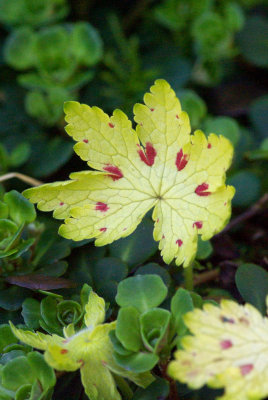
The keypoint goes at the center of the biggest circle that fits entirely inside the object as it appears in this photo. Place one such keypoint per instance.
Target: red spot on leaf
(179, 242)
(111, 125)
(246, 369)
(61, 203)
(149, 155)
(163, 236)
(225, 204)
(226, 319)
(63, 351)
(244, 321)
(101, 207)
(151, 109)
(157, 220)
(198, 224)
(177, 116)
(103, 229)
(124, 229)
(181, 160)
(201, 190)
(226, 344)
(209, 145)
(115, 172)
(82, 362)
(85, 140)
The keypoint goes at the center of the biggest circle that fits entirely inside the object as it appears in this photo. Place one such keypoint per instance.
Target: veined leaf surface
(159, 165)
(229, 348)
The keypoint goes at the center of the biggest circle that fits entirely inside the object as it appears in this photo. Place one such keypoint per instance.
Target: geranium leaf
(159, 165)
(228, 348)
(94, 310)
(89, 350)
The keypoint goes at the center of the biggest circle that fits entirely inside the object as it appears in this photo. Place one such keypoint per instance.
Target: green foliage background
(215, 55)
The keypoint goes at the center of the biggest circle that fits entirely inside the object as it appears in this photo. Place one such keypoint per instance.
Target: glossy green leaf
(136, 248)
(24, 373)
(18, 49)
(107, 272)
(258, 114)
(20, 209)
(7, 228)
(252, 283)
(20, 154)
(31, 313)
(225, 126)
(12, 298)
(3, 210)
(137, 362)
(204, 249)
(128, 328)
(253, 40)
(154, 269)
(158, 390)
(117, 345)
(86, 44)
(69, 312)
(6, 337)
(248, 188)
(49, 321)
(181, 303)
(155, 329)
(194, 106)
(43, 371)
(142, 292)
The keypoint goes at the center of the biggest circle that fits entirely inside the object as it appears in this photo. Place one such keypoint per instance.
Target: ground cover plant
(149, 280)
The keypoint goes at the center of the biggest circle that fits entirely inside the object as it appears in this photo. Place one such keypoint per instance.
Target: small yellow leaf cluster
(89, 350)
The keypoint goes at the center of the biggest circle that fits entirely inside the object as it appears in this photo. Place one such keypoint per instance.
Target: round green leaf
(142, 292)
(6, 337)
(136, 248)
(44, 373)
(258, 113)
(252, 283)
(18, 48)
(3, 210)
(225, 126)
(247, 186)
(253, 40)
(158, 390)
(137, 362)
(154, 269)
(181, 303)
(194, 106)
(20, 209)
(154, 329)
(31, 313)
(204, 249)
(128, 328)
(17, 372)
(86, 44)
(117, 345)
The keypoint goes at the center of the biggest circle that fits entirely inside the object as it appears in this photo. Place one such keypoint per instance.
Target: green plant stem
(124, 387)
(189, 277)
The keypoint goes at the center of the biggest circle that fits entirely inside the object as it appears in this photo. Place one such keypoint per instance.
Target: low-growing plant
(170, 302)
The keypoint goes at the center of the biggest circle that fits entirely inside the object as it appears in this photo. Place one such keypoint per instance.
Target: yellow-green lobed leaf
(159, 165)
(228, 348)
(89, 350)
